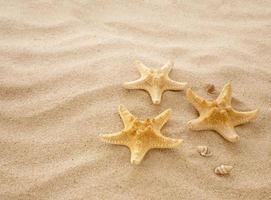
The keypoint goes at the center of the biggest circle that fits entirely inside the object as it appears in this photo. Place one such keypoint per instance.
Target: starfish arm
(138, 155)
(198, 124)
(225, 95)
(198, 102)
(120, 138)
(239, 118)
(160, 141)
(156, 95)
(167, 68)
(137, 84)
(143, 69)
(174, 85)
(228, 132)
(126, 116)
(161, 119)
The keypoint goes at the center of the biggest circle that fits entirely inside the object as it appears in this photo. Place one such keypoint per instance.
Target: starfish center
(156, 78)
(140, 125)
(222, 106)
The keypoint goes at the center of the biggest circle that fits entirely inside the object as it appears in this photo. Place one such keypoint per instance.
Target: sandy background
(62, 64)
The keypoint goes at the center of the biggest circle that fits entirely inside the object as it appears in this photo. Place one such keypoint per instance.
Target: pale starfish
(141, 136)
(218, 114)
(155, 81)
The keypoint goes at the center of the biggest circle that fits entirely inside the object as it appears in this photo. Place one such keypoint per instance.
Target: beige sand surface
(62, 64)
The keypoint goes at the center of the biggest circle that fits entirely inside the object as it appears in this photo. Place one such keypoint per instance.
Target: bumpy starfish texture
(141, 136)
(155, 81)
(218, 114)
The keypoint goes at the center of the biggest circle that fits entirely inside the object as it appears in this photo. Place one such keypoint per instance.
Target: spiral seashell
(204, 151)
(223, 169)
(210, 88)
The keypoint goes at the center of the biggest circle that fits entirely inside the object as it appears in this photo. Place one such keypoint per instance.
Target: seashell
(210, 88)
(204, 151)
(223, 169)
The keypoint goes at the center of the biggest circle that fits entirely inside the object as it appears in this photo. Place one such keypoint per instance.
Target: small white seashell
(223, 169)
(204, 151)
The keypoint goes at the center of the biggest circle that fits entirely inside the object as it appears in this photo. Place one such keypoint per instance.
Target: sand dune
(62, 65)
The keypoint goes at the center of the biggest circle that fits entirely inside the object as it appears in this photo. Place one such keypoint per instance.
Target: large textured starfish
(155, 81)
(218, 114)
(141, 136)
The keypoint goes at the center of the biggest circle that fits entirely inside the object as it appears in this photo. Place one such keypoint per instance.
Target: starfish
(141, 136)
(218, 115)
(155, 81)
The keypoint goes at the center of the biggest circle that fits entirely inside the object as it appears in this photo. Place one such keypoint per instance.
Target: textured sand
(62, 64)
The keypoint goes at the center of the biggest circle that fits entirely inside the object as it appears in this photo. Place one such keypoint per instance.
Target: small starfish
(218, 114)
(155, 81)
(141, 136)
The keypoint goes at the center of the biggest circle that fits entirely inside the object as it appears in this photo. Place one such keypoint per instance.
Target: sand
(62, 65)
